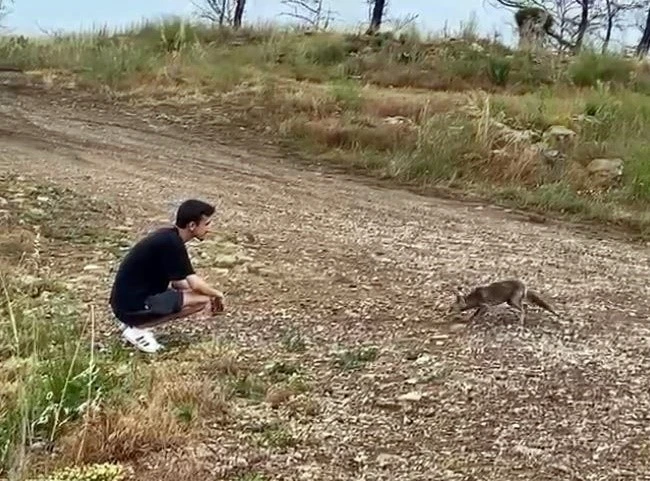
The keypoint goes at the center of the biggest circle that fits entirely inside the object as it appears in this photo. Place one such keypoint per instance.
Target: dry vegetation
(421, 111)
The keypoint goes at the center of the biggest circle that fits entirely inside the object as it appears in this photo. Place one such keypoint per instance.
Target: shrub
(589, 69)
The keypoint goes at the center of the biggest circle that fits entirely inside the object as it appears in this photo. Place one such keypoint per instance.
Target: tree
(533, 24)
(378, 10)
(615, 15)
(4, 8)
(644, 44)
(240, 5)
(573, 21)
(222, 12)
(311, 12)
(571, 18)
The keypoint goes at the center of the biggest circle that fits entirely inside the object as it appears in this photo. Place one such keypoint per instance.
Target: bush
(589, 69)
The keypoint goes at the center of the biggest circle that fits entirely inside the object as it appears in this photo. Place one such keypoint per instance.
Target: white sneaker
(142, 339)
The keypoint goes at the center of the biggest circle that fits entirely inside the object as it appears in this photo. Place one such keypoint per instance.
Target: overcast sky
(29, 16)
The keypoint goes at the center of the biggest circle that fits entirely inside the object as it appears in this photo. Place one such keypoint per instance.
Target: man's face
(201, 230)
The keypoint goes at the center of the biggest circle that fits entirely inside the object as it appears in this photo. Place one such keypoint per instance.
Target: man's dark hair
(192, 210)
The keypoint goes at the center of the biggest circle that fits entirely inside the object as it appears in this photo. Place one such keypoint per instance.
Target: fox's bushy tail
(535, 298)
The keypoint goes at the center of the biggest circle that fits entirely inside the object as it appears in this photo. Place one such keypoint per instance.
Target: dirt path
(347, 263)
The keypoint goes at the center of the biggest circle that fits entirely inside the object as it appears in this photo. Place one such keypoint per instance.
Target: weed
(252, 477)
(280, 371)
(356, 358)
(499, 70)
(293, 341)
(248, 386)
(347, 94)
(274, 435)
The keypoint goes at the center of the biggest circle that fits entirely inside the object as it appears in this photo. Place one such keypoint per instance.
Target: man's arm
(199, 285)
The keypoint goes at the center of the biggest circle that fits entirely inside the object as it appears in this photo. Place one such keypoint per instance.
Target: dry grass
(170, 413)
(58, 388)
(334, 93)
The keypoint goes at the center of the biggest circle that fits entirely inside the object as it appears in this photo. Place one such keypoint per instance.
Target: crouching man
(156, 282)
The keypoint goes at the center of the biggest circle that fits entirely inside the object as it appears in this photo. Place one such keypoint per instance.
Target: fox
(511, 291)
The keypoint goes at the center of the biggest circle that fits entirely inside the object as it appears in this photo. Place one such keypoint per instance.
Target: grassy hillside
(460, 112)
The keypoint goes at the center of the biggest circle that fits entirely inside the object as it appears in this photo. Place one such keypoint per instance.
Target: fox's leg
(479, 312)
(516, 302)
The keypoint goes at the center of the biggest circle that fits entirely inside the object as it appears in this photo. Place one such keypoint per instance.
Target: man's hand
(216, 303)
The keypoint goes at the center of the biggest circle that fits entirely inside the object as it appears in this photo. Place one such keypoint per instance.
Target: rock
(255, 268)
(458, 326)
(513, 136)
(3, 201)
(384, 460)
(412, 396)
(92, 267)
(423, 359)
(558, 137)
(548, 154)
(397, 120)
(605, 172)
(36, 212)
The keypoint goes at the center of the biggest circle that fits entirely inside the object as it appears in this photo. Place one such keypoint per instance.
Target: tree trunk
(644, 44)
(377, 16)
(610, 27)
(239, 13)
(584, 24)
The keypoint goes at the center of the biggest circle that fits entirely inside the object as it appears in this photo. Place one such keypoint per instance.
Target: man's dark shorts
(160, 305)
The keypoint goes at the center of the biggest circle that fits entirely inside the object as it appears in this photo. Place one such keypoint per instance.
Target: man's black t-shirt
(155, 261)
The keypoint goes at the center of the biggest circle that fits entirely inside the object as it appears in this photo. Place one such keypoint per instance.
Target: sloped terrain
(348, 285)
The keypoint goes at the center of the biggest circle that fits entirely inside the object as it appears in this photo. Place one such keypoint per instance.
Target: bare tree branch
(644, 44)
(4, 8)
(215, 11)
(311, 12)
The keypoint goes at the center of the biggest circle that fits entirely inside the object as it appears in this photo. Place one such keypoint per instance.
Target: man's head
(193, 218)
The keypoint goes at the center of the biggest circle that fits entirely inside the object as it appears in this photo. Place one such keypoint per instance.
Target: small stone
(412, 396)
(255, 268)
(423, 359)
(36, 212)
(92, 267)
(384, 460)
